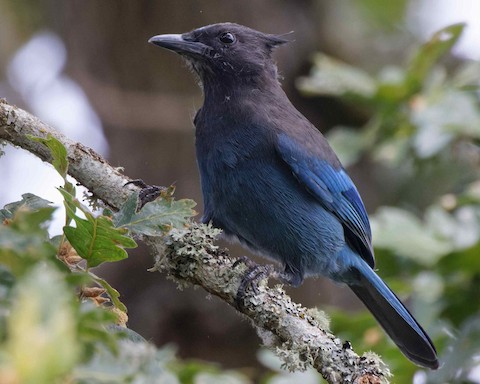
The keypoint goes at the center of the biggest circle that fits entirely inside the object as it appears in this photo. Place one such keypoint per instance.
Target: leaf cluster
(59, 321)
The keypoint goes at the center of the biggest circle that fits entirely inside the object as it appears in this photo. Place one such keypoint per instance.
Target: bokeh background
(84, 66)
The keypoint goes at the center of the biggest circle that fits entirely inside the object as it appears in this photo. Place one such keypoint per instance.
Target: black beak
(179, 44)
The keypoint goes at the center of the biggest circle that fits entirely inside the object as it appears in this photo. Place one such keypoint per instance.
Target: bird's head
(225, 51)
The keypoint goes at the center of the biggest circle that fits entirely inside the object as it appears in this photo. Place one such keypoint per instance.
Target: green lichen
(295, 357)
(319, 318)
(374, 360)
(184, 250)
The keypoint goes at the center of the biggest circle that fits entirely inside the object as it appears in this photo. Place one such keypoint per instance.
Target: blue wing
(334, 190)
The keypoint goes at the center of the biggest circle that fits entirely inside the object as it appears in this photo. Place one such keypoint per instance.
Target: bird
(270, 179)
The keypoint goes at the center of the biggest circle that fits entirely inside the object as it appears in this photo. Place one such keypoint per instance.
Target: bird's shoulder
(295, 131)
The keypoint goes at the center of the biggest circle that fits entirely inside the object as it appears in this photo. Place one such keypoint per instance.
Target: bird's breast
(231, 166)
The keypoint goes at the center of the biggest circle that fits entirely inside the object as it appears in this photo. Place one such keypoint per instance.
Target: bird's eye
(227, 38)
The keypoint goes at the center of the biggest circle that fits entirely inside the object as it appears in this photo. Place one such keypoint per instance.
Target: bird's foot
(255, 273)
(147, 193)
(246, 261)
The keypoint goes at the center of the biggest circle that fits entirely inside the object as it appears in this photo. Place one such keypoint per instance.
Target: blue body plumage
(270, 179)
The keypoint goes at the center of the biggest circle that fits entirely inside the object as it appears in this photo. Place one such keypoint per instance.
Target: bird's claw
(249, 263)
(252, 277)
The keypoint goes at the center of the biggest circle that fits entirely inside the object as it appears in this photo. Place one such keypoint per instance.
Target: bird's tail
(392, 315)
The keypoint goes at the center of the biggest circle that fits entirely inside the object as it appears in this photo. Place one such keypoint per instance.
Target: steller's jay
(270, 179)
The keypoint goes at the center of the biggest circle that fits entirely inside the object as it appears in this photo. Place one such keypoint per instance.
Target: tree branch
(85, 165)
(299, 335)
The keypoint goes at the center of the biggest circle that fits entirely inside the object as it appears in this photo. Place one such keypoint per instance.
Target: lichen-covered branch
(299, 335)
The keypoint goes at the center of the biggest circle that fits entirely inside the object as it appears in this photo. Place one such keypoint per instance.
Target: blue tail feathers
(393, 316)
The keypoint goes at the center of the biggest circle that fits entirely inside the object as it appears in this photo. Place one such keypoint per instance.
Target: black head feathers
(276, 40)
(227, 49)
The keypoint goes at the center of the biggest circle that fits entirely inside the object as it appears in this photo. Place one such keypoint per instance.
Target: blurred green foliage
(59, 322)
(421, 138)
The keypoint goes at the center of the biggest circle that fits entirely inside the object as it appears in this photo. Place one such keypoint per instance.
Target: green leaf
(58, 152)
(429, 53)
(156, 217)
(460, 227)
(347, 143)
(59, 162)
(29, 221)
(95, 238)
(93, 328)
(98, 241)
(442, 117)
(29, 201)
(127, 211)
(70, 203)
(136, 361)
(42, 325)
(24, 241)
(335, 78)
(403, 233)
(112, 293)
(392, 86)
(382, 14)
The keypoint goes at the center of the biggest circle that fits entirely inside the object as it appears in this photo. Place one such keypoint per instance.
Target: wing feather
(334, 190)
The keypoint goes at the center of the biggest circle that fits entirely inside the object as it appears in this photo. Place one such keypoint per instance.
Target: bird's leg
(255, 273)
(148, 193)
(250, 280)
